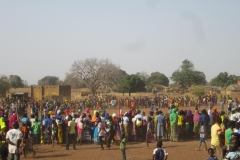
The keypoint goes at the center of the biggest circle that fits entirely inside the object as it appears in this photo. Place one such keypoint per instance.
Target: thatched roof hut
(233, 88)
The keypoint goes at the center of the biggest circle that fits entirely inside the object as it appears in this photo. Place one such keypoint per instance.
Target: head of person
(159, 144)
(233, 147)
(218, 120)
(149, 119)
(231, 124)
(110, 118)
(15, 125)
(70, 117)
(48, 116)
(210, 152)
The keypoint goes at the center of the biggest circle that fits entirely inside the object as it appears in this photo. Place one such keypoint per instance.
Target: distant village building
(51, 92)
(233, 88)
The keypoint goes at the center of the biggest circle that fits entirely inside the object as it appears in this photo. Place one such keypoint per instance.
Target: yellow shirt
(215, 131)
(180, 120)
(72, 125)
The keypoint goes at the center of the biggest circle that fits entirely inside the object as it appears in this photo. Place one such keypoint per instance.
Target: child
(202, 136)
(211, 155)
(159, 153)
(149, 136)
(36, 128)
(123, 146)
(80, 131)
(54, 131)
(234, 153)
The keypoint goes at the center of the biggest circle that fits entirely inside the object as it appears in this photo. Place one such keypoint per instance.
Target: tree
(4, 85)
(143, 76)
(75, 82)
(49, 80)
(15, 81)
(186, 75)
(131, 83)
(94, 73)
(223, 79)
(157, 78)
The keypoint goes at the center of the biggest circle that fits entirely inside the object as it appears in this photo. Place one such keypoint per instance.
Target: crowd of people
(52, 122)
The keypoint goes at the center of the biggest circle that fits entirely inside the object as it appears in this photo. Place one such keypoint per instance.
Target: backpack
(159, 154)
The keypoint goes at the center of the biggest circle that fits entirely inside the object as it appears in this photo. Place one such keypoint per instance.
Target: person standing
(71, 133)
(216, 142)
(125, 121)
(123, 146)
(174, 126)
(160, 125)
(13, 138)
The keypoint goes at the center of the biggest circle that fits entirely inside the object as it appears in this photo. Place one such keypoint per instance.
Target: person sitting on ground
(159, 153)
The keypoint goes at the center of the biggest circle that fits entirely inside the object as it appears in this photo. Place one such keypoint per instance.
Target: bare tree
(94, 73)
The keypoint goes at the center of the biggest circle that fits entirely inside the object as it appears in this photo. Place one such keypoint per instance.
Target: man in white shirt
(125, 122)
(138, 115)
(13, 138)
(233, 116)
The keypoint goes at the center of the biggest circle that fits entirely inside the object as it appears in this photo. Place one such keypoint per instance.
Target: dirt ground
(135, 151)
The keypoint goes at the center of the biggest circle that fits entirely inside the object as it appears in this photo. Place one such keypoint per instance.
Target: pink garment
(12, 120)
(196, 116)
(87, 111)
(80, 127)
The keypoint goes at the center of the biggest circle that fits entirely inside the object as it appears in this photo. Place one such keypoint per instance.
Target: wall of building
(37, 92)
(51, 90)
(65, 91)
(14, 90)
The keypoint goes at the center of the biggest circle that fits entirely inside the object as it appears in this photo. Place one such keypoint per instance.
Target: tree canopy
(223, 79)
(186, 75)
(130, 84)
(15, 81)
(49, 80)
(4, 85)
(157, 78)
(94, 73)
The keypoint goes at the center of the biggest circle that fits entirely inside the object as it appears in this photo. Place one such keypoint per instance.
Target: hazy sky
(40, 38)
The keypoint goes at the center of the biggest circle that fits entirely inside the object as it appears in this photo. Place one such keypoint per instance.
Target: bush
(199, 91)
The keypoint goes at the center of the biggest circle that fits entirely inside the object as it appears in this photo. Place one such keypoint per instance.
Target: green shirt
(228, 134)
(123, 143)
(36, 128)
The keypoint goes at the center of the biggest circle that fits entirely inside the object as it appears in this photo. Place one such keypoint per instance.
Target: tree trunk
(93, 90)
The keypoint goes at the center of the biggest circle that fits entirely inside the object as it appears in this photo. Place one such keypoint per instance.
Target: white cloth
(13, 135)
(138, 116)
(165, 153)
(211, 117)
(202, 131)
(101, 131)
(125, 120)
(233, 117)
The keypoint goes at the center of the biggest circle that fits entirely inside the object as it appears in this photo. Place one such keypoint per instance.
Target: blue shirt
(24, 119)
(203, 118)
(47, 122)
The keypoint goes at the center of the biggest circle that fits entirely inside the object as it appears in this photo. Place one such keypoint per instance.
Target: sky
(44, 38)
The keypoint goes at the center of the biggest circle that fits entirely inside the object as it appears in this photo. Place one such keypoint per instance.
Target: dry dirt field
(134, 151)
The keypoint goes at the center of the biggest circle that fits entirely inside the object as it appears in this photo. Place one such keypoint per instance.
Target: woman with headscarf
(196, 122)
(189, 123)
(174, 126)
